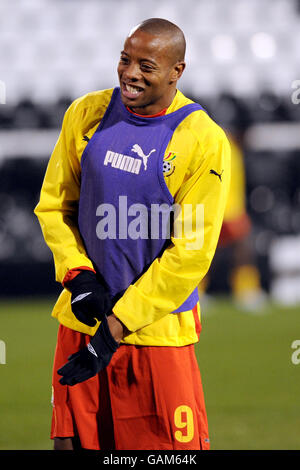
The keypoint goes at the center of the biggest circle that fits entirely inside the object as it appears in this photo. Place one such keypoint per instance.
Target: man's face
(147, 73)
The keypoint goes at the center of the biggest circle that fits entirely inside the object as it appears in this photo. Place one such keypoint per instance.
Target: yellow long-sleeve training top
(198, 145)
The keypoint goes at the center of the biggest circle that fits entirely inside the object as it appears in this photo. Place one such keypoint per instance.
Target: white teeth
(132, 89)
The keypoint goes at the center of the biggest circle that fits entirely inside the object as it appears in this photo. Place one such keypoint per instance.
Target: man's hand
(118, 329)
(87, 362)
(90, 298)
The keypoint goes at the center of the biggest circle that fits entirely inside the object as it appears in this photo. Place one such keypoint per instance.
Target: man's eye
(146, 67)
(124, 60)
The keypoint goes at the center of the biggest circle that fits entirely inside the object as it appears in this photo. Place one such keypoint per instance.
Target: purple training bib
(124, 207)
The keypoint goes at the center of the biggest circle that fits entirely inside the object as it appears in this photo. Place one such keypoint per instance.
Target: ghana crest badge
(168, 165)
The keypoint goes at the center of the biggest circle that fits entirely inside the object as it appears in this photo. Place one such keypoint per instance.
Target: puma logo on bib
(127, 163)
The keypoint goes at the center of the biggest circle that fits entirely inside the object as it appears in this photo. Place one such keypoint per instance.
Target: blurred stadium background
(243, 63)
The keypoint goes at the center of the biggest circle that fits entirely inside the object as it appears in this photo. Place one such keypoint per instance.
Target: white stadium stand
(239, 45)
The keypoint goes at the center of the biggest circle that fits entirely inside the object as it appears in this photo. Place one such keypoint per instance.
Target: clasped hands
(90, 301)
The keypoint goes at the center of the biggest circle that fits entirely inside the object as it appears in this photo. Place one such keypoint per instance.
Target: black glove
(87, 362)
(90, 298)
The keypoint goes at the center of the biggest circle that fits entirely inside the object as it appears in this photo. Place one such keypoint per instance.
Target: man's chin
(132, 102)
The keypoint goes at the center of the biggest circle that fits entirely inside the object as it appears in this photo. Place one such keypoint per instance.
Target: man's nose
(132, 71)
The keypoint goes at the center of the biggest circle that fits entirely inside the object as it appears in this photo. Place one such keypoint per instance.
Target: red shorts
(149, 397)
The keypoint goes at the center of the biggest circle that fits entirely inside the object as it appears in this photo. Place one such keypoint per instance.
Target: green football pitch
(251, 385)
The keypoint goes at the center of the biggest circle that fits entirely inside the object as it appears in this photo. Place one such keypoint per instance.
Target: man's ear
(177, 71)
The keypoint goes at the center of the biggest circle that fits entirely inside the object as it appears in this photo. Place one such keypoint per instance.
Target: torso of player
(182, 158)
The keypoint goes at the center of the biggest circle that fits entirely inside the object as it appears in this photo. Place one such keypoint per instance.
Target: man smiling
(125, 374)
(151, 63)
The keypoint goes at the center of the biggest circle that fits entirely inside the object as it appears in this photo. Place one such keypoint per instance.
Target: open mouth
(131, 91)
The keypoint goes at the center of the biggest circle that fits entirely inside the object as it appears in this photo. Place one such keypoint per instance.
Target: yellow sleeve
(171, 278)
(58, 205)
(57, 209)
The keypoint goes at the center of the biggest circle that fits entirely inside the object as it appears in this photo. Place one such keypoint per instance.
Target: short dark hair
(160, 26)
